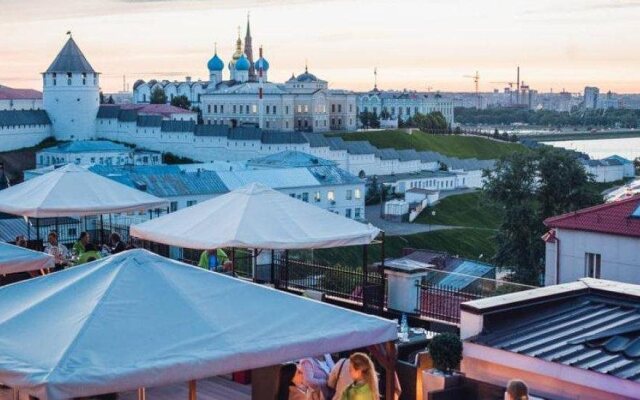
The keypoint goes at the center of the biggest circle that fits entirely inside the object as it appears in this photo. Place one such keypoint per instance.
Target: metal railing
(345, 283)
(442, 302)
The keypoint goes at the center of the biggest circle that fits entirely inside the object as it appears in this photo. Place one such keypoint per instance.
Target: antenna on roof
(306, 65)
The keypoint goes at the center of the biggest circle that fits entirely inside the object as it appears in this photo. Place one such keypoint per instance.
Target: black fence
(346, 283)
(443, 302)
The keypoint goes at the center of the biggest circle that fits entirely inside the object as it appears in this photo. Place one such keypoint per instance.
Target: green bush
(446, 352)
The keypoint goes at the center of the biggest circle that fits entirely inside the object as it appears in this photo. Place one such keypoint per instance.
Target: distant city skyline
(414, 44)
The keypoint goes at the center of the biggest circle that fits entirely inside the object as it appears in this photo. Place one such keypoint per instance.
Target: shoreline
(559, 137)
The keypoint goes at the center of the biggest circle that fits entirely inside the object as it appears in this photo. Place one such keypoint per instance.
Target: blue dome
(243, 64)
(215, 64)
(262, 64)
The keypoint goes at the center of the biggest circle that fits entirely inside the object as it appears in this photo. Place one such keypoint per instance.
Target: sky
(414, 44)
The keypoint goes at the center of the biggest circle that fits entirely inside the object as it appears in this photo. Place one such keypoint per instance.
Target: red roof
(7, 93)
(156, 109)
(612, 218)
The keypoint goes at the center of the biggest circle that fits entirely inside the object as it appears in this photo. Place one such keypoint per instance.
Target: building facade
(246, 96)
(598, 242)
(400, 106)
(94, 152)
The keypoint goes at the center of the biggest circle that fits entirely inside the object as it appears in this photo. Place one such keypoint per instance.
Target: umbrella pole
(365, 275)
(233, 261)
(101, 229)
(254, 266)
(192, 390)
(273, 272)
(28, 230)
(38, 229)
(142, 394)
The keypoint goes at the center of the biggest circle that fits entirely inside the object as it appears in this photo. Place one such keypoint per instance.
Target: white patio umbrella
(18, 259)
(255, 217)
(137, 319)
(73, 191)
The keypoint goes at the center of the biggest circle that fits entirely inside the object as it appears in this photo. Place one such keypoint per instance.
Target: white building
(304, 177)
(605, 170)
(596, 242)
(20, 99)
(246, 96)
(92, 152)
(71, 94)
(404, 105)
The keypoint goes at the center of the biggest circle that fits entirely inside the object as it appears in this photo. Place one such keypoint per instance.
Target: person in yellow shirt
(213, 260)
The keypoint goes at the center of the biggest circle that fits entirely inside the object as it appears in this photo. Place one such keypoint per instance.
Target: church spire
(248, 49)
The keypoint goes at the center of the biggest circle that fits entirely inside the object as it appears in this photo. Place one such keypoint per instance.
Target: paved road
(392, 228)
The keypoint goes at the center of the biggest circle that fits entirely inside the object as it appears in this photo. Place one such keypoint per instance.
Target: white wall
(13, 138)
(620, 256)
(21, 104)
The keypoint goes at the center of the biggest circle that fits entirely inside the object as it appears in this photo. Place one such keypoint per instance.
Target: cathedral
(246, 96)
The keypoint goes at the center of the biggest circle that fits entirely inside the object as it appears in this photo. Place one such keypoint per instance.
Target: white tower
(71, 94)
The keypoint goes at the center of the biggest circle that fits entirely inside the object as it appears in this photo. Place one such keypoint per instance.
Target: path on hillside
(393, 228)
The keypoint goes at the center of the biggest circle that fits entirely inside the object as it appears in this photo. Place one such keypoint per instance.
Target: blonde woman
(365, 379)
(516, 390)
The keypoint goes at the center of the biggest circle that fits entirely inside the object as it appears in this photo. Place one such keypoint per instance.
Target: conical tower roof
(70, 59)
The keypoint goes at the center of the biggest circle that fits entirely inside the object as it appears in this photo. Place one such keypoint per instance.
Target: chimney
(188, 78)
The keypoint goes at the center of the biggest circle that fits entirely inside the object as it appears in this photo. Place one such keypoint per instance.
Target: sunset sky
(415, 44)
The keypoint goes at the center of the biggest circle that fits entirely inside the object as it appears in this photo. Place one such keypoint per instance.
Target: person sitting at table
(315, 373)
(57, 250)
(21, 241)
(340, 378)
(292, 386)
(214, 260)
(80, 245)
(365, 379)
(90, 253)
(116, 245)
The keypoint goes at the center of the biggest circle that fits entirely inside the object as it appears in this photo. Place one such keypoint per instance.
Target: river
(600, 148)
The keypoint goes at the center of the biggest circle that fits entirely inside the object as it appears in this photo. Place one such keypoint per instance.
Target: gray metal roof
(289, 159)
(597, 332)
(332, 175)
(359, 147)
(408, 155)
(149, 121)
(24, 117)
(336, 143)
(245, 133)
(108, 111)
(88, 146)
(388, 154)
(316, 139)
(70, 59)
(212, 130)
(283, 138)
(164, 180)
(178, 126)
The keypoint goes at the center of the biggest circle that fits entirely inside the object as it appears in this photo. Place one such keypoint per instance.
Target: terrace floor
(215, 388)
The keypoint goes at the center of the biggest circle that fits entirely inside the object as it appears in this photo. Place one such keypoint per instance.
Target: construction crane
(506, 83)
(476, 81)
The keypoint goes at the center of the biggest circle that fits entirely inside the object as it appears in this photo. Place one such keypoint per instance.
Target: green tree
(512, 185)
(531, 187)
(158, 96)
(563, 183)
(111, 100)
(181, 101)
(433, 122)
(198, 111)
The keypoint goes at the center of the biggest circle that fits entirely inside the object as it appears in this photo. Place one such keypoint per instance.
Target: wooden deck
(215, 388)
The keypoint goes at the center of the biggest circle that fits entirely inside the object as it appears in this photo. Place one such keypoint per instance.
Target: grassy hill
(465, 242)
(449, 145)
(469, 210)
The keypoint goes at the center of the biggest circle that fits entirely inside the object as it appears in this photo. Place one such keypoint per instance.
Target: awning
(18, 259)
(256, 217)
(137, 319)
(73, 191)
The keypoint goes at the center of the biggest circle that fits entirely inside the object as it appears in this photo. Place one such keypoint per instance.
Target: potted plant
(446, 353)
